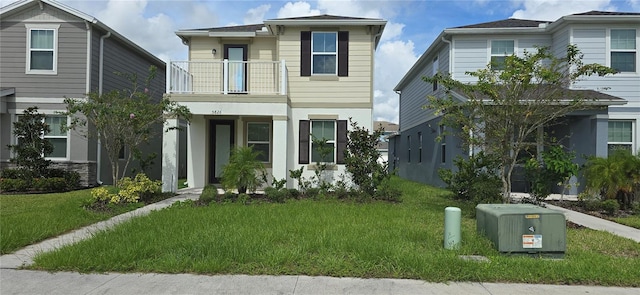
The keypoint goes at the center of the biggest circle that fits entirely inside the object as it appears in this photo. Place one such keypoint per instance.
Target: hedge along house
(607, 38)
(273, 86)
(51, 51)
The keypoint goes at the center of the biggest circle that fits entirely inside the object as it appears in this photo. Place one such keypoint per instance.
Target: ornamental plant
(141, 188)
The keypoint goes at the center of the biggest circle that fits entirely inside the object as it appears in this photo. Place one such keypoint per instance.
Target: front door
(237, 56)
(221, 143)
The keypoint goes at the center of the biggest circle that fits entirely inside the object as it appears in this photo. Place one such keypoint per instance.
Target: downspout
(100, 71)
(450, 55)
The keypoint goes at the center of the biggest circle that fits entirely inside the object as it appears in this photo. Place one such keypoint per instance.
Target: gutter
(100, 80)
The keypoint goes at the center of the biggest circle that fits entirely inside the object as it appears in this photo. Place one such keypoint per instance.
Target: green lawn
(333, 238)
(26, 219)
(632, 221)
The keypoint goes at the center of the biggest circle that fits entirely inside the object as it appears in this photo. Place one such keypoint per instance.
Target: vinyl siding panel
(560, 42)
(356, 88)
(414, 96)
(591, 42)
(71, 59)
(470, 54)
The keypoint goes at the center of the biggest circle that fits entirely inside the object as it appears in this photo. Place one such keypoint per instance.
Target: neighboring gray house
(608, 38)
(51, 51)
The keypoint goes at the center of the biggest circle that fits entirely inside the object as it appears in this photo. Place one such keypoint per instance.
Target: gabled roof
(276, 26)
(25, 4)
(595, 12)
(506, 23)
(516, 26)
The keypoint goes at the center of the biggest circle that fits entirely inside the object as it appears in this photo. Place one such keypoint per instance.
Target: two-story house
(274, 86)
(607, 38)
(50, 51)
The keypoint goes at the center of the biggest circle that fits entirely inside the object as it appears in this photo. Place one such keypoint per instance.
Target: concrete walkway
(13, 280)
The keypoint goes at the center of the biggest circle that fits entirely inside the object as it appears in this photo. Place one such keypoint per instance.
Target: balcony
(228, 77)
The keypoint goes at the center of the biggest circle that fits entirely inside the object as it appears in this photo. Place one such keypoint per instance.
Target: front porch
(210, 140)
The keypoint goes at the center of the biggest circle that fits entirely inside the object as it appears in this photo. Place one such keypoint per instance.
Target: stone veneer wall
(87, 170)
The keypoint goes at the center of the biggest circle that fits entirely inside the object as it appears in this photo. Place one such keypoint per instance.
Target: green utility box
(523, 228)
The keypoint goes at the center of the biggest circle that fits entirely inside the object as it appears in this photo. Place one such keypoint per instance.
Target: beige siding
(356, 88)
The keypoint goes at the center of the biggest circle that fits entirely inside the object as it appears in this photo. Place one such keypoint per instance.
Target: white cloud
(256, 15)
(296, 9)
(393, 59)
(551, 10)
(392, 31)
(635, 4)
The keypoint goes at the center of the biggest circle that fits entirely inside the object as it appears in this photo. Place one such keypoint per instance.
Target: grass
(27, 219)
(632, 220)
(181, 183)
(333, 238)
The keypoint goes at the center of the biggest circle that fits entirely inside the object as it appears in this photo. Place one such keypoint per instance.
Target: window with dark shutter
(305, 53)
(341, 144)
(343, 53)
(303, 142)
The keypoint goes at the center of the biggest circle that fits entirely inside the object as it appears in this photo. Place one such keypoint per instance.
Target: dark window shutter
(343, 53)
(303, 142)
(305, 53)
(341, 145)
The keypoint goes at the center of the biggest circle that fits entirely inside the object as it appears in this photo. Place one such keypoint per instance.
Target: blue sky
(412, 25)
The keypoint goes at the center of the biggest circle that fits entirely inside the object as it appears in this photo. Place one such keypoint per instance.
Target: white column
(170, 157)
(279, 153)
(197, 163)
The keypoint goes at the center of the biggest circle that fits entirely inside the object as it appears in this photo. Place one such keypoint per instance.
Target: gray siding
(560, 42)
(469, 55)
(592, 44)
(119, 58)
(71, 71)
(414, 95)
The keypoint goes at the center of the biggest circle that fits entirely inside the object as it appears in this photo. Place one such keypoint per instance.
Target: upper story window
(434, 71)
(42, 43)
(324, 53)
(623, 50)
(258, 137)
(500, 49)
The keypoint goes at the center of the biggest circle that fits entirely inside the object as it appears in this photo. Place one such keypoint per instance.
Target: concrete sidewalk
(16, 281)
(37, 282)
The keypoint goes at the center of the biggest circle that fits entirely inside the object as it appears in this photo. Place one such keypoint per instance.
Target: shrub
(13, 185)
(275, 195)
(610, 206)
(51, 184)
(476, 179)
(386, 192)
(243, 170)
(361, 159)
(615, 177)
(141, 188)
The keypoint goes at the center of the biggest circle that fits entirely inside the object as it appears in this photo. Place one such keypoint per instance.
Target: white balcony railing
(228, 77)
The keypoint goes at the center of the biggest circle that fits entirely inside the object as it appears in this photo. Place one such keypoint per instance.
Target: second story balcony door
(237, 56)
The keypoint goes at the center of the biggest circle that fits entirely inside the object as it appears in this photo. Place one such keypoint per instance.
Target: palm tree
(243, 170)
(615, 177)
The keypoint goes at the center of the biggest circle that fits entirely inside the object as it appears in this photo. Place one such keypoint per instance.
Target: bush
(610, 206)
(276, 195)
(141, 188)
(242, 171)
(615, 177)
(13, 185)
(53, 180)
(476, 179)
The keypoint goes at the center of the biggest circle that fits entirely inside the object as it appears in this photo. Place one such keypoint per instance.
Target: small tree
(361, 158)
(124, 118)
(32, 147)
(243, 170)
(505, 108)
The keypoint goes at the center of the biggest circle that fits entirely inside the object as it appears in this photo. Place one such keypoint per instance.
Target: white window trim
(333, 141)
(489, 54)
(54, 28)
(609, 50)
(249, 142)
(634, 131)
(324, 53)
(14, 140)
